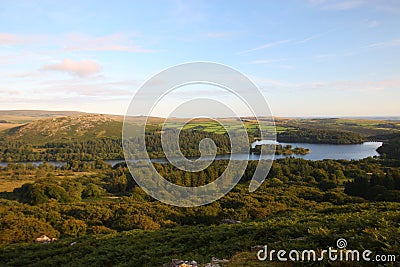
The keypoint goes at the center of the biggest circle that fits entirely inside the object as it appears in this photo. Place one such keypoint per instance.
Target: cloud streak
(388, 43)
(122, 42)
(10, 39)
(265, 46)
(340, 85)
(76, 68)
(113, 42)
(220, 35)
(20, 39)
(337, 5)
(315, 36)
(267, 61)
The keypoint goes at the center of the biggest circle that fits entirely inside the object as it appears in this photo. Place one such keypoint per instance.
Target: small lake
(318, 152)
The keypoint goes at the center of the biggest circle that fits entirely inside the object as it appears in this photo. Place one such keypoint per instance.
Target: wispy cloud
(18, 39)
(371, 23)
(97, 86)
(267, 61)
(340, 85)
(10, 39)
(388, 6)
(363, 86)
(265, 46)
(337, 5)
(220, 35)
(79, 68)
(94, 88)
(387, 43)
(315, 36)
(123, 42)
(114, 42)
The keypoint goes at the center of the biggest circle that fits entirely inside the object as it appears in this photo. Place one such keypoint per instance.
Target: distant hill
(60, 129)
(39, 126)
(24, 116)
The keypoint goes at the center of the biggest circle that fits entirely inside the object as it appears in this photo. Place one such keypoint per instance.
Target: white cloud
(79, 68)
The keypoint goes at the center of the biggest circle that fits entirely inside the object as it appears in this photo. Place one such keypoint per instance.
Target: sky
(308, 57)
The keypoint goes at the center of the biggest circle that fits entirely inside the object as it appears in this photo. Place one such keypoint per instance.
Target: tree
(359, 187)
(73, 228)
(18, 228)
(92, 190)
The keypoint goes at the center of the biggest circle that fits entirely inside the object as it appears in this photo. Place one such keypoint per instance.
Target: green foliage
(391, 149)
(92, 190)
(16, 227)
(318, 136)
(282, 150)
(41, 192)
(73, 228)
(378, 186)
(372, 226)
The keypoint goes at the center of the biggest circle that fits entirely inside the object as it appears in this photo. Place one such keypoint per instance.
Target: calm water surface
(318, 152)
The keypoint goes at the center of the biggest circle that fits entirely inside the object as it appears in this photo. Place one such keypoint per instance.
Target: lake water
(318, 152)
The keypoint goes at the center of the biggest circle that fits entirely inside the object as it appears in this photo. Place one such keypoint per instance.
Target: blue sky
(309, 58)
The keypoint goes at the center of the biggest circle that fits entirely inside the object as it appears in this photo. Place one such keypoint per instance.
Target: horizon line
(242, 116)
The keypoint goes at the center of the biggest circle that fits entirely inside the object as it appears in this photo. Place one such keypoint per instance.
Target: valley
(100, 209)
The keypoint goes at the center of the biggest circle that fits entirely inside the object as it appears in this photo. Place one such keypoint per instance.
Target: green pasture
(215, 127)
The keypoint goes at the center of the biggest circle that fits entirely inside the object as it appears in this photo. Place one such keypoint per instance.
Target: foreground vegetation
(302, 205)
(372, 226)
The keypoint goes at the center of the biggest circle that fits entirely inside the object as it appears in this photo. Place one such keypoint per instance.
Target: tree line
(319, 136)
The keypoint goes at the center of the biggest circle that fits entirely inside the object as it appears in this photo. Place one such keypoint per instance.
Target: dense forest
(104, 148)
(19, 151)
(105, 200)
(111, 148)
(391, 149)
(319, 136)
(282, 149)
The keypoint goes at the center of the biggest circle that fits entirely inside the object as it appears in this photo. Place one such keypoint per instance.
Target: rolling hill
(39, 127)
(61, 129)
(25, 116)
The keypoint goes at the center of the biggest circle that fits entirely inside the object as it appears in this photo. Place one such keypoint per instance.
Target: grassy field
(215, 127)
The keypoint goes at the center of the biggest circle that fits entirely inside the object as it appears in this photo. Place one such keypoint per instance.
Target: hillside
(24, 116)
(41, 127)
(61, 129)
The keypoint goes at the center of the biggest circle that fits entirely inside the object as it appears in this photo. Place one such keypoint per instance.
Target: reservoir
(318, 152)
